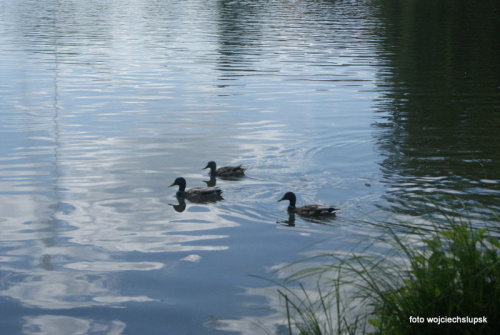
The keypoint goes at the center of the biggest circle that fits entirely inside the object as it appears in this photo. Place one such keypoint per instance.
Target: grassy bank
(444, 281)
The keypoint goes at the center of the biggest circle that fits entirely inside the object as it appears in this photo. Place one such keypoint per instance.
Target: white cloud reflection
(63, 325)
(57, 290)
(103, 203)
(114, 266)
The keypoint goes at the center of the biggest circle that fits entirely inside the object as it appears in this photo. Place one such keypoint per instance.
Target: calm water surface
(376, 108)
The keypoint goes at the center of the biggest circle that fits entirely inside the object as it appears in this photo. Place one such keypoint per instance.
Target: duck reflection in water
(181, 207)
(212, 182)
(290, 222)
(197, 194)
(319, 219)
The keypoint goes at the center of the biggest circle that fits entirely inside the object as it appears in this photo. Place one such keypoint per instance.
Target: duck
(307, 210)
(225, 171)
(197, 193)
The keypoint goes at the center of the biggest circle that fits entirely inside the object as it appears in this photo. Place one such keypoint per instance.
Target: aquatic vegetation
(444, 281)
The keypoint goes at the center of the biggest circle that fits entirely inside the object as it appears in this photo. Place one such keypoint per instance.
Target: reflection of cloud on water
(113, 207)
(113, 266)
(64, 289)
(62, 325)
(116, 196)
(57, 275)
(105, 225)
(56, 290)
(122, 299)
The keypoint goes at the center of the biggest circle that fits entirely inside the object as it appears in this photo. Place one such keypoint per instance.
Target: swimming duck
(308, 210)
(197, 193)
(225, 171)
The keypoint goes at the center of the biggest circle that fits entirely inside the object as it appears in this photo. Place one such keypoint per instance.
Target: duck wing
(199, 192)
(231, 171)
(313, 210)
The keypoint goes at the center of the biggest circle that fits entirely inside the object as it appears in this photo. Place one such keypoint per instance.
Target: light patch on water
(114, 266)
(63, 325)
(192, 258)
(122, 299)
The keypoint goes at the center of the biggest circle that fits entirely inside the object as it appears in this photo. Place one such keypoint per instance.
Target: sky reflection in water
(98, 119)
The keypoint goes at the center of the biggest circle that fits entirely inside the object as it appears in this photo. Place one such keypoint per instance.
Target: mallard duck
(197, 193)
(225, 171)
(307, 210)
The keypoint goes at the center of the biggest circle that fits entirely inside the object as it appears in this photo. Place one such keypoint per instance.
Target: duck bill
(280, 200)
(172, 185)
(206, 167)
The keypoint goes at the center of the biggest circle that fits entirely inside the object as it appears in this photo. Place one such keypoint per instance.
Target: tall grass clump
(443, 281)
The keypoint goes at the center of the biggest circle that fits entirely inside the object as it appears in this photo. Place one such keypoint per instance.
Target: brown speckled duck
(225, 171)
(307, 210)
(197, 193)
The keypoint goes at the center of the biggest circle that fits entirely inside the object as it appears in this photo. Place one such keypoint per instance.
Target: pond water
(380, 108)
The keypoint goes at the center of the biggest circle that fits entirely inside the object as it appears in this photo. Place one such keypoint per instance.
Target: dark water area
(387, 109)
(441, 92)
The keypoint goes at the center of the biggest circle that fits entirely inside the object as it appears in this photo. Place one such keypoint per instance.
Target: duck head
(291, 197)
(211, 165)
(181, 182)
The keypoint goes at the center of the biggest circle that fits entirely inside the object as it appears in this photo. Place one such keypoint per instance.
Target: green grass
(447, 272)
